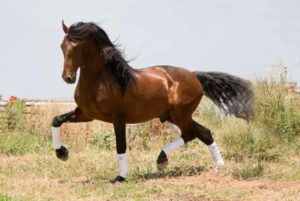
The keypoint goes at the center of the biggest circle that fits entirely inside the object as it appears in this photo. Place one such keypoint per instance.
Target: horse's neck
(91, 81)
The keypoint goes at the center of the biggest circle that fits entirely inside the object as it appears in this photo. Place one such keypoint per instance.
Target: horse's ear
(65, 28)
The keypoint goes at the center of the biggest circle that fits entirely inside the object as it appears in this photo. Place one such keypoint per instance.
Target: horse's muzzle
(69, 78)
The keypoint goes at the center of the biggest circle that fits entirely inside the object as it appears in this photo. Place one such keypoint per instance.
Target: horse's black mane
(114, 58)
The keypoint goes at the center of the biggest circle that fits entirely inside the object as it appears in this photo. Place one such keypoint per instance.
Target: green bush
(104, 140)
(19, 143)
(249, 142)
(275, 126)
(14, 116)
(275, 112)
(15, 137)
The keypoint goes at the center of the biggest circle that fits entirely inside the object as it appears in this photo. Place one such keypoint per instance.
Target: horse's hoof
(62, 153)
(162, 166)
(162, 161)
(118, 179)
(219, 165)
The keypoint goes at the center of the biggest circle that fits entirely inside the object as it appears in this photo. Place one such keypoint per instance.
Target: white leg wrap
(56, 137)
(214, 150)
(173, 145)
(123, 164)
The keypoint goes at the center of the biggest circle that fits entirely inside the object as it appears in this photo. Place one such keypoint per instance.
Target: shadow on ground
(171, 172)
(150, 175)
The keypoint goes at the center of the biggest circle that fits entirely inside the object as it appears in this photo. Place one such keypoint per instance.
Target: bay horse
(110, 90)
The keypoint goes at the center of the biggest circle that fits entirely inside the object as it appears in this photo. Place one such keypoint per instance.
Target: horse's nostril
(68, 79)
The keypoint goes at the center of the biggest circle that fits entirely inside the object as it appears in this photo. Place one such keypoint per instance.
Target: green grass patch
(19, 143)
(4, 197)
(249, 170)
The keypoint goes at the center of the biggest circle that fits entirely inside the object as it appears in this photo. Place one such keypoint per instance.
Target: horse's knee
(57, 122)
(60, 119)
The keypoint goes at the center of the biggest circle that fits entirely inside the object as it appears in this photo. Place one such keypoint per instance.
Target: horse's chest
(95, 103)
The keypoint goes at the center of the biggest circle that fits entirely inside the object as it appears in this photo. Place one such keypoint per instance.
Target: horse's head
(87, 46)
(78, 49)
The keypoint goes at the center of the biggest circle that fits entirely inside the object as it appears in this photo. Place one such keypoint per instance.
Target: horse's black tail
(232, 94)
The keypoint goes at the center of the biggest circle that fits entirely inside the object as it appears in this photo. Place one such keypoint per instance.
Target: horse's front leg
(73, 116)
(120, 132)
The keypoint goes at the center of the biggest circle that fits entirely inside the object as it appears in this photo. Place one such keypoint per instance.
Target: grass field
(262, 157)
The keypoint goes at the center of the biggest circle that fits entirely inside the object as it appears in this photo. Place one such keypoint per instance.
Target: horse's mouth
(68, 81)
(70, 78)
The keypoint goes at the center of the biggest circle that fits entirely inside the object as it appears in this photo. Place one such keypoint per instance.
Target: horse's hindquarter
(186, 88)
(185, 95)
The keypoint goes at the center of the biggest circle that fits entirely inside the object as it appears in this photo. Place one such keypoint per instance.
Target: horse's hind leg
(186, 136)
(189, 131)
(162, 160)
(204, 134)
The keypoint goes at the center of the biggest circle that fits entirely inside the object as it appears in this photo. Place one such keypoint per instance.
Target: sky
(244, 38)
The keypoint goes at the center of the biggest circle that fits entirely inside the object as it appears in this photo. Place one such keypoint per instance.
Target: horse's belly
(145, 111)
(138, 118)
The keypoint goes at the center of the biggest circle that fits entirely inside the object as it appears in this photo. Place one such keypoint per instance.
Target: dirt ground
(210, 185)
(214, 184)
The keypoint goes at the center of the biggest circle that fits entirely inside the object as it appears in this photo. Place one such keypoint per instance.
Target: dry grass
(85, 176)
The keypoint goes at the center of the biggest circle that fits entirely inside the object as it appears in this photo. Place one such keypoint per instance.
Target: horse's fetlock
(57, 122)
